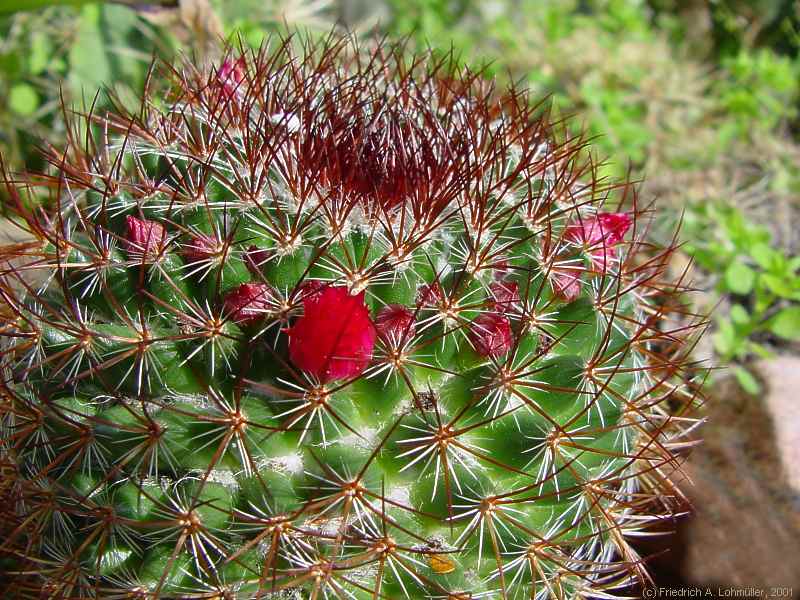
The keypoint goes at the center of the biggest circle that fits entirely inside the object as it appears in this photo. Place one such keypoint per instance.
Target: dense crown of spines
(333, 323)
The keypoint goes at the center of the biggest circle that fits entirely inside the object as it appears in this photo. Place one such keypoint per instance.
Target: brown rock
(745, 529)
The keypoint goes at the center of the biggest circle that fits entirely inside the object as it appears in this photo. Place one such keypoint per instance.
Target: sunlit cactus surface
(330, 322)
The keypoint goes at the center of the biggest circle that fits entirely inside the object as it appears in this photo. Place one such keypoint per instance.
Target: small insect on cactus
(335, 323)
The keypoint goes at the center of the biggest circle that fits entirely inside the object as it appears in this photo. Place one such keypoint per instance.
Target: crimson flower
(248, 302)
(395, 322)
(501, 268)
(309, 288)
(143, 238)
(599, 235)
(334, 337)
(490, 334)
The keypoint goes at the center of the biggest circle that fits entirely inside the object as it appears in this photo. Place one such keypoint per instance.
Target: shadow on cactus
(330, 323)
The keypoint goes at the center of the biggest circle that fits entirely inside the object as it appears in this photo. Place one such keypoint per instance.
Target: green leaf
(739, 314)
(739, 278)
(725, 341)
(786, 324)
(39, 55)
(12, 6)
(763, 255)
(759, 350)
(90, 68)
(747, 381)
(23, 99)
(780, 286)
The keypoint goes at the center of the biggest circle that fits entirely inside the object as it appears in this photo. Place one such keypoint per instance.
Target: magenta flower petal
(430, 295)
(230, 75)
(334, 337)
(599, 235)
(505, 294)
(200, 247)
(309, 288)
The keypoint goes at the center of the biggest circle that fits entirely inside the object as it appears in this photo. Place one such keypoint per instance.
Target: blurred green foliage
(698, 98)
(69, 53)
(760, 284)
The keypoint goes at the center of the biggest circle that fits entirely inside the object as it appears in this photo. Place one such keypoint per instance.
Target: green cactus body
(337, 334)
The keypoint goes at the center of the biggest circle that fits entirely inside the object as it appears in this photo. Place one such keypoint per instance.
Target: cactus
(329, 323)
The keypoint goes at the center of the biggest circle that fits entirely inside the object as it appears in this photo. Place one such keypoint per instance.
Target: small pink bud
(430, 295)
(490, 334)
(248, 302)
(230, 75)
(614, 226)
(255, 258)
(334, 337)
(143, 237)
(566, 283)
(395, 322)
(200, 248)
(599, 235)
(505, 294)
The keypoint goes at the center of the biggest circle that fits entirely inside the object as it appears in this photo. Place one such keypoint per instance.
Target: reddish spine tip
(334, 337)
(143, 237)
(395, 322)
(255, 258)
(248, 302)
(491, 335)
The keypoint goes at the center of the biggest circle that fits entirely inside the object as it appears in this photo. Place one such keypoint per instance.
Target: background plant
(759, 283)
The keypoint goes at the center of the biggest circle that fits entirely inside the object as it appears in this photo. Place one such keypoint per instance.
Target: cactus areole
(327, 322)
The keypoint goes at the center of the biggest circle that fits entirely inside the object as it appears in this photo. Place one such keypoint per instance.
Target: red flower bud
(599, 235)
(566, 282)
(230, 75)
(504, 295)
(335, 336)
(430, 295)
(143, 238)
(395, 323)
(490, 334)
(248, 302)
(200, 247)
